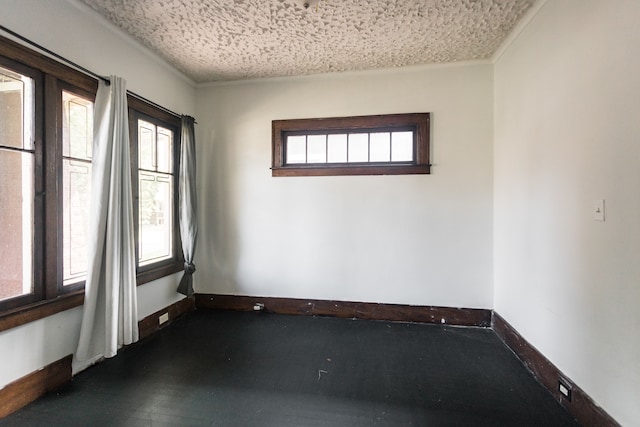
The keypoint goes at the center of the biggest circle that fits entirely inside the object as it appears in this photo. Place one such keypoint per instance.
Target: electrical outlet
(258, 306)
(164, 318)
(565, 389)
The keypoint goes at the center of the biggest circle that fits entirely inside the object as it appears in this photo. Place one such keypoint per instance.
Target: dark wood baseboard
(346, 309)
(28, 388)
(151, 323)
(581, 406)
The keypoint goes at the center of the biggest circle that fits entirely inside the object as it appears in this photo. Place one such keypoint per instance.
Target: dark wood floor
(215, 368)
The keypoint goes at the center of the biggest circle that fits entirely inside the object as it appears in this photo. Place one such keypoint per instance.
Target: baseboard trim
(581, 406)
(30, 387)
(151, 323)
(347, 309)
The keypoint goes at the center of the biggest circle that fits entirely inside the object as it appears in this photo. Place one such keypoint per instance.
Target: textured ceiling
(212, 40)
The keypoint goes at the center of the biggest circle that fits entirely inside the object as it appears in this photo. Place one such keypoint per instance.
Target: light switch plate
(598, 210)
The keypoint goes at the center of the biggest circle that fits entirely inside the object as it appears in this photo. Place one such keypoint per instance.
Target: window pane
(16, 217)
(380, 147)
(77, 140)
(77, 126)
(146, 145)
(16, 184)
(165, 137)
(317, 149)
(358, 147)
(155, 217)
(402, 146)
(337, 148)
(296, 149)
(77, 195)
(16, 120)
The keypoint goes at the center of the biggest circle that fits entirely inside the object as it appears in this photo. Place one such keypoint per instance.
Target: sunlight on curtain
(109, 318)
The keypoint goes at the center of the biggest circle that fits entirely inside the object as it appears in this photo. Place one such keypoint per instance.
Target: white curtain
(188, 206)
(109, 318)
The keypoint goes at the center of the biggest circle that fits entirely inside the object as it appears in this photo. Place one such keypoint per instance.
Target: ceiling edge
(519, 28)
(335, 75)
(86, 9)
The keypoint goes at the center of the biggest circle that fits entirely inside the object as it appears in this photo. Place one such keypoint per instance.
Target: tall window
(17, 184)
(77, 139)
(155, 193)
(155, 140)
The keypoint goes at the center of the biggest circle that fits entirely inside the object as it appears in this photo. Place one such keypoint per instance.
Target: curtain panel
(188, 203)
(110, 318)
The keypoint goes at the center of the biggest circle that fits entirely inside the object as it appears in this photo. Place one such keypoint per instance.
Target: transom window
(367, 145)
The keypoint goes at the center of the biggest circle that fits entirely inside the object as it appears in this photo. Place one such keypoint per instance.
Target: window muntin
(17, 184)
(77, 141)
(366, 145)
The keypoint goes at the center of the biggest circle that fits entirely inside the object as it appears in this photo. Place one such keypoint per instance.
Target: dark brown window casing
(51, 78)
(418, 124)
(140, 110)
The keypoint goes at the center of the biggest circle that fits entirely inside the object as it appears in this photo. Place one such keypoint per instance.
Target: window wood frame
(419, 123)
(139, 109)
(50, 78)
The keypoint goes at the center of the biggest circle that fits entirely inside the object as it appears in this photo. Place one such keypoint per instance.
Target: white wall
(567, 132)
(417, 239)
(75, 32)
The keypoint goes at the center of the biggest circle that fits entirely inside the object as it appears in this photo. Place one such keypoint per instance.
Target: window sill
(350, 170)
(39, 310)
(155, 273)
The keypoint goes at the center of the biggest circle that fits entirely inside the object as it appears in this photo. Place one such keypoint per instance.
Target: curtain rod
(83, 69)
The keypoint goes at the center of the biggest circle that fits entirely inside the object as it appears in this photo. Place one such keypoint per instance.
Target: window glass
(401, 146)
(317, 149)
(16, 184)
(146, 145)
(358, 147)
(155, 193)
(380, 147)
(297, 149)
(337, 148)
(77, 140)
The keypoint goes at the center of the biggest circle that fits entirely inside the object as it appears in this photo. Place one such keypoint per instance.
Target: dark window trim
(90, 94)
(52, 77)
(418, 122)
(40, 214)
(139, 109)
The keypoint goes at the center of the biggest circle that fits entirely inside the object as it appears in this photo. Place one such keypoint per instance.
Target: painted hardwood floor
(218, 368)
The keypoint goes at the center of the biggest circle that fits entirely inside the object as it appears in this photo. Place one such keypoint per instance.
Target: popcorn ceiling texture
(213, 40)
